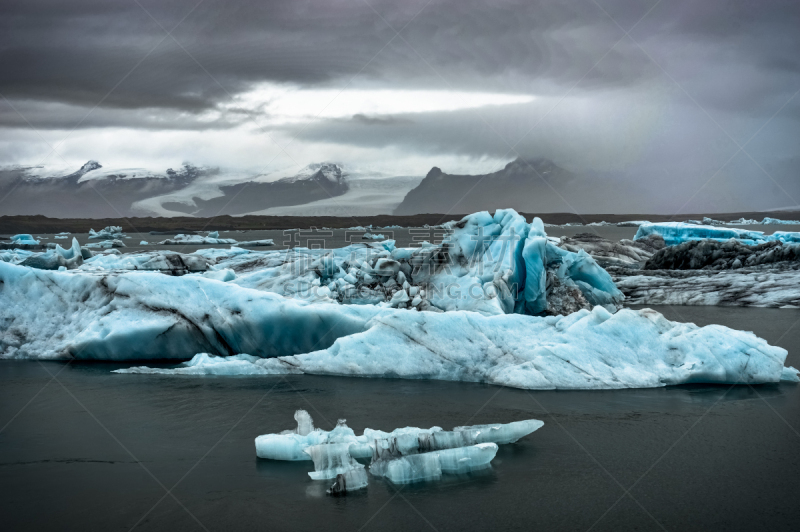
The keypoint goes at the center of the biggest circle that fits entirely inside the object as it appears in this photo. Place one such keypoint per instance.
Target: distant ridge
(523, 185)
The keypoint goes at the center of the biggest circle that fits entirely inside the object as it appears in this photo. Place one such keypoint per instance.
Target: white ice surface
(586, 350)
(211, 239)
(430, 466)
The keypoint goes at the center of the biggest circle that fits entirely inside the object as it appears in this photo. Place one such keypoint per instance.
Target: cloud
(270, 82)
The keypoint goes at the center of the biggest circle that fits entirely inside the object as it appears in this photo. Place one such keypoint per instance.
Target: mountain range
(320, 189)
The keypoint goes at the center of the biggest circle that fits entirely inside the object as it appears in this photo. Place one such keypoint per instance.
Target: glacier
(402, 456)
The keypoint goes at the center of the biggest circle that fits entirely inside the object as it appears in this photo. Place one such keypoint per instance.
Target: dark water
(90, 450)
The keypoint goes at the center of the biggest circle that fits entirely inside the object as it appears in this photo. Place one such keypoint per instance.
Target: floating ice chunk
(431, 466)
(181, 239)
(56, 258)
(372, 236)
(678, 232)
(112, 232)
(166, 261)
(107, 244)
(502, 433)
(144, 243)
(790, 374)
(304, 422)
(775, 221)
(775, 288)
(205, 364)
(60, 237)
(632, 223)
(291, 444)
(330, 460)
(351, 480)
(24, 239)
(585, 350)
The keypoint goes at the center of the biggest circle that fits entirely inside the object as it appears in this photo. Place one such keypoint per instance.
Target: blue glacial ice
(24, 240)
(489, 264)
(678, 232)
(144, 315)
(372, 236)
(58, 257)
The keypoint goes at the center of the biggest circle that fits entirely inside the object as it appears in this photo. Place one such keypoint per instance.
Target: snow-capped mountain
(333, 172)
(314, 182)
(92, 191)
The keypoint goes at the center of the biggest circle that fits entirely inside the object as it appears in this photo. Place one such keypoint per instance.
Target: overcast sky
(696, 98)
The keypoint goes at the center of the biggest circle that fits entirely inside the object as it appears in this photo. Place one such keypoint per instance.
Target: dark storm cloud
(693, 79)
(76, 52)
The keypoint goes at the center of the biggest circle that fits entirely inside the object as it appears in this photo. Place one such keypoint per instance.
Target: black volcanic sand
(42, 224)
(91, 450)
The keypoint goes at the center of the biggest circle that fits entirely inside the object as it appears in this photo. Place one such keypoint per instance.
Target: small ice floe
(402, 456)
(112, 232)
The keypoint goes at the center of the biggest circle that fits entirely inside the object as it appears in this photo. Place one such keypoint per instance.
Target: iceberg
(164, 261)
(331, 460)
(678, 232)
(372, 236)
(585, 350)
(147, 315)
(403, 456)
(775, 221)
(352, 479)
(24, 240)
(431, 466)
(182, 239)
(745, 287)
(112, 232)
(479, 267)
(292, 444)
(58, 257)
(107, 244)
(722, 255)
